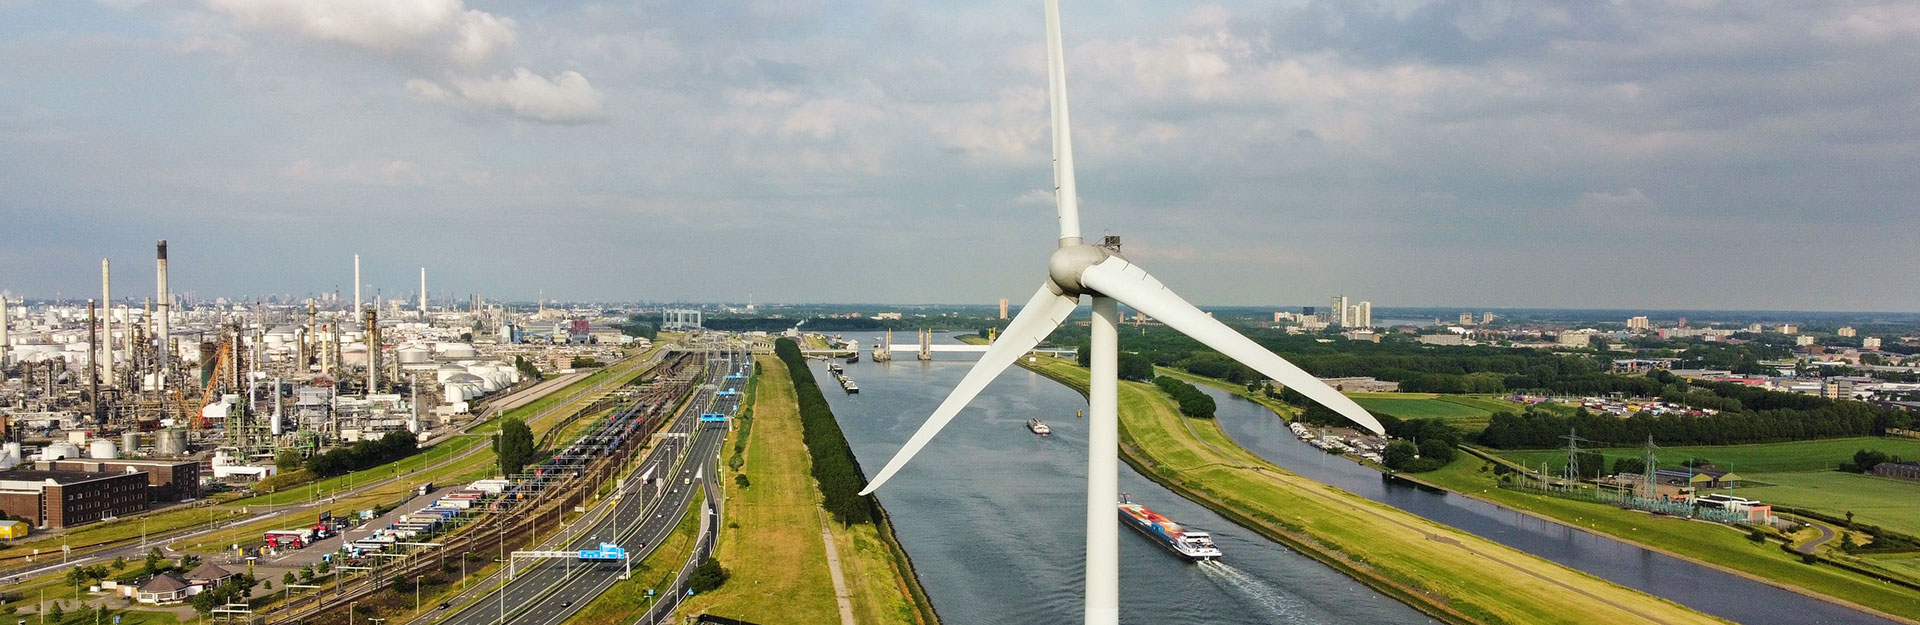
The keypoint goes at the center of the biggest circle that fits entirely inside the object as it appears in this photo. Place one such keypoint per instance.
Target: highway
(546, 593)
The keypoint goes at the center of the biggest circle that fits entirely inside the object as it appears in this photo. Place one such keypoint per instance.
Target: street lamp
(416, 595)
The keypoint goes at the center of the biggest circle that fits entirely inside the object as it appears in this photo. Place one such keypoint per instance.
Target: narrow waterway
(994, 518)
(1708, 590)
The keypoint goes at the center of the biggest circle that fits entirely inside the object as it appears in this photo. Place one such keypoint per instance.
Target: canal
(994, 518)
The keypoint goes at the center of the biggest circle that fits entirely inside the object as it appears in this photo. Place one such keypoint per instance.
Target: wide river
(993, 517)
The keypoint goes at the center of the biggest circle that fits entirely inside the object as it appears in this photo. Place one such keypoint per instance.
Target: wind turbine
(1075, 269)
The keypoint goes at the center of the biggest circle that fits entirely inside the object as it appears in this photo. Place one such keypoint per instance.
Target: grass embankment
(628, 599)
(1450, 574)
(772, 541)
(1715, 545)
(1712, 544)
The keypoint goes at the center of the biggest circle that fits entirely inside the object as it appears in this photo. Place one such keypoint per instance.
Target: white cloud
(441, 29)
(567, 98)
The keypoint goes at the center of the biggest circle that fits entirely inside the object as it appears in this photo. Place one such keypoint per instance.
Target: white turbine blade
(1131, 285)
(1065, 197)
(1038, 319)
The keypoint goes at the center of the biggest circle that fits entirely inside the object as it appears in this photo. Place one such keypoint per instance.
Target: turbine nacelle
(1066, 265)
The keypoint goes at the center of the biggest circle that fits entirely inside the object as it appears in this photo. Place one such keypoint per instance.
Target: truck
(289, 539)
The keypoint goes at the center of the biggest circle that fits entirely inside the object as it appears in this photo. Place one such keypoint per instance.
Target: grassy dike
(1449, 574)
(771, 541)
(1707, 544)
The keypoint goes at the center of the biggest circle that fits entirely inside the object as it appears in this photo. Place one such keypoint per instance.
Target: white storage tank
(102, 449)
(130, 442)
(59, 451)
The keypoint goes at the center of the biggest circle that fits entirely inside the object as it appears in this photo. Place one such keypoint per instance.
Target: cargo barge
(1182, 541)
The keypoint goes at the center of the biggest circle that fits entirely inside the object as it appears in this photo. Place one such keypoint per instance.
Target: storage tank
(59, 451)
(130, 442)
(412, 355)
(102, 449)
(171, 443)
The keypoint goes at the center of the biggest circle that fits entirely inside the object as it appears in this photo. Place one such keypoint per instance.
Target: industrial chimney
(373, 350)
(163, 319)
(423, 291)
(356, 282)
(106, 304)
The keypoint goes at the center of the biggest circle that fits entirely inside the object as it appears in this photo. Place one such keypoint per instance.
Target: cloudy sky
(1660, 154)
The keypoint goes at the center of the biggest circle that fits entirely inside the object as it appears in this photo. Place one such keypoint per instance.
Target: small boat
(1039, 427)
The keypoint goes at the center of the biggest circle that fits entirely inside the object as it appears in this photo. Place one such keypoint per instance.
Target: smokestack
(423, 291)
(373, 351)
(356, 282)
(5, 322)
(106, 301)
(163, 317)
(93, 357)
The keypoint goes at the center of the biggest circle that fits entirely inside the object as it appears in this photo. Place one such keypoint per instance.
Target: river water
(1708, 590)
(994, 517)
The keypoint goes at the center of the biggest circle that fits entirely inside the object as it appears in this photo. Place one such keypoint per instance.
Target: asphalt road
(549, 592)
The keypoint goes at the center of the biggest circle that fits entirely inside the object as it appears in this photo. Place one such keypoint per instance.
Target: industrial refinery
(195, 393)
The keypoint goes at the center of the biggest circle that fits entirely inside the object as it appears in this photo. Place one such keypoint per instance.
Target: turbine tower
(1100, 272)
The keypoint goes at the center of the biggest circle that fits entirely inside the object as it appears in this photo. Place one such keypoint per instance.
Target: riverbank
(1711, 545)
(1447, 573)
(771, 540)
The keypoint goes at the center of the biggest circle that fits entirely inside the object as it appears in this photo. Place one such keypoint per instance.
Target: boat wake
(1256, 591)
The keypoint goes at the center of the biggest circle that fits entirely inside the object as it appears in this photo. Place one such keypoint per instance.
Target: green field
(1820, 455)
(1468, 412)
(1887, 502)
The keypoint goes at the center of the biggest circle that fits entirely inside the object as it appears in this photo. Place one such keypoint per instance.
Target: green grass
(772, 537)
(1470, 413)
(1717, 544)
(1820, 455)
(1886, 502)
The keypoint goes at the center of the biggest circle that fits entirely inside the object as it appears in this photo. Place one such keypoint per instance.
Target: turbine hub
(1068, 262)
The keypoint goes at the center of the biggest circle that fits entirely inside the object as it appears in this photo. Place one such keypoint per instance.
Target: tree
(708, 576)
(205, 602)
(740, 479)
(58, 614)
(1629, 465)
(154, 560)
(119, 563)
(101, 615)
(306, 572)
(1135, 367)
(288, 460)
(1399, 454)
(514, 446)
(289, 578)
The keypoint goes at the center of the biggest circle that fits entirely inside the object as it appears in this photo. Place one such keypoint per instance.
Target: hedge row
(833, 464)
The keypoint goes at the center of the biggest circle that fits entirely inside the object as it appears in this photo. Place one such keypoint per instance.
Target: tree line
(364, 454)
(1193, 403)
(834, 467)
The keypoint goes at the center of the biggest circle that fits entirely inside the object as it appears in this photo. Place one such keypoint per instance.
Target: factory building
(167, 480)
(60, 499)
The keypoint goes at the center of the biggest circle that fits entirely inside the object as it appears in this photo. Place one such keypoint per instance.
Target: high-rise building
(1486, 318)
(1846, 331)
(1003, 308)
(1638, 323)
(1337, 313)
(1871, 342)
(1466, 319)
(1365, 319)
